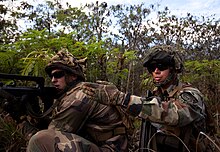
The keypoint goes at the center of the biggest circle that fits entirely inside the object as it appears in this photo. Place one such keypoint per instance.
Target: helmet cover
(64, 60)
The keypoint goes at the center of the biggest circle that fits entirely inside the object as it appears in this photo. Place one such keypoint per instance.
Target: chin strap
(171, 77)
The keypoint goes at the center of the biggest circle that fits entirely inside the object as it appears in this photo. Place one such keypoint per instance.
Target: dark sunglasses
(152, 67)
(57, 74)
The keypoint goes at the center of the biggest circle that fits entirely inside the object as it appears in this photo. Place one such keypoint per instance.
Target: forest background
(115, 39)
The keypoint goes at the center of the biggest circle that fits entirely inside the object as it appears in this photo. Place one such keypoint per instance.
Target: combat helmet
(166, 54)
(66, 61)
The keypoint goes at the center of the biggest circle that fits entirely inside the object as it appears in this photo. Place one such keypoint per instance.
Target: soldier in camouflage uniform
(176, 109)
(78, 124)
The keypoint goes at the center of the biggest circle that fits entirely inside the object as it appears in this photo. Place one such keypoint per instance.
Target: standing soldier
(176, 109)
(78, 124)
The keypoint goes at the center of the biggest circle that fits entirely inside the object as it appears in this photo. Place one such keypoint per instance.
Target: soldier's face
(58, 79)
(160, 75)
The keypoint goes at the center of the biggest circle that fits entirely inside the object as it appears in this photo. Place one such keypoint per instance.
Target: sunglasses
(152, 67)
(57, 74)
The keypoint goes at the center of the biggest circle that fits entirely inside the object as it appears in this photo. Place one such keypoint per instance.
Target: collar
(170, 91)
(69, 87)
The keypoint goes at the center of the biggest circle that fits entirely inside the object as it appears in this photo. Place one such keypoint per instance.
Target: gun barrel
(39, 80)
(17, 91)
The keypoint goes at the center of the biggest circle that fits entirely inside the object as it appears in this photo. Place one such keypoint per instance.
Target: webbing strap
(177, 89)
(35, 115)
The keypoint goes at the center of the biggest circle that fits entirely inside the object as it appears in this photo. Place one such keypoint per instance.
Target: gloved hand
(106, 93)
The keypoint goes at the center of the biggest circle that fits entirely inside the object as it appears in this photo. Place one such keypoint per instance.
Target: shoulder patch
(188, 97)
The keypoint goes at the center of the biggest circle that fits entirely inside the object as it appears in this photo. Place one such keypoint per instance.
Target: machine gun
(27, 99)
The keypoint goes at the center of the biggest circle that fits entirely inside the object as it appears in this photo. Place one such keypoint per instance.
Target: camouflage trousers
(56, 141)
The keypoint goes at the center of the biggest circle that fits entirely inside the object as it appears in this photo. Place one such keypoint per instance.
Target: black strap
(127, 99)
(36, 115)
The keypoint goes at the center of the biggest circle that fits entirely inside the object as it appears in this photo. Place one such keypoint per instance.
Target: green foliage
(34, 49)
(204, 65)
(113, 38)
(35, 63)
(86, 31)
(95, 53)
(206, 76)
(197, 69)
(117, 65)
(147, 82)
(11, 139)
(9, 60)
(33, 40)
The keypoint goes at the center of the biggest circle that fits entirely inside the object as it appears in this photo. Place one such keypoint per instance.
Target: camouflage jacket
(178, 111)
(178, 106)
(96, 122)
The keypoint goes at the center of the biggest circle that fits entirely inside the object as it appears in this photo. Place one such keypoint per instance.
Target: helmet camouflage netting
(165, 54)
(64, 60)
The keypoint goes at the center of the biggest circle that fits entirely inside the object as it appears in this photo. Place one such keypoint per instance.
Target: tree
(114, 38)
(8, 24)
(199, 37)
(88, 29)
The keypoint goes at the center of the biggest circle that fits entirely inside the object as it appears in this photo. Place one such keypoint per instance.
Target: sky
(197, 8)
(177, 7)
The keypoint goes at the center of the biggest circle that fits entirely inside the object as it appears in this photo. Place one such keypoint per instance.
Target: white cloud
(196, 7)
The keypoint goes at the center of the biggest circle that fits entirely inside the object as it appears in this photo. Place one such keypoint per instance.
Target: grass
(11, 140)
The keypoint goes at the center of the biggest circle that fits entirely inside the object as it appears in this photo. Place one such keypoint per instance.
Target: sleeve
(72, 114)
(184, 109)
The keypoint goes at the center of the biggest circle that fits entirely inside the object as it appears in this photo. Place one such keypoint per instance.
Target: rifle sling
(44, 114)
